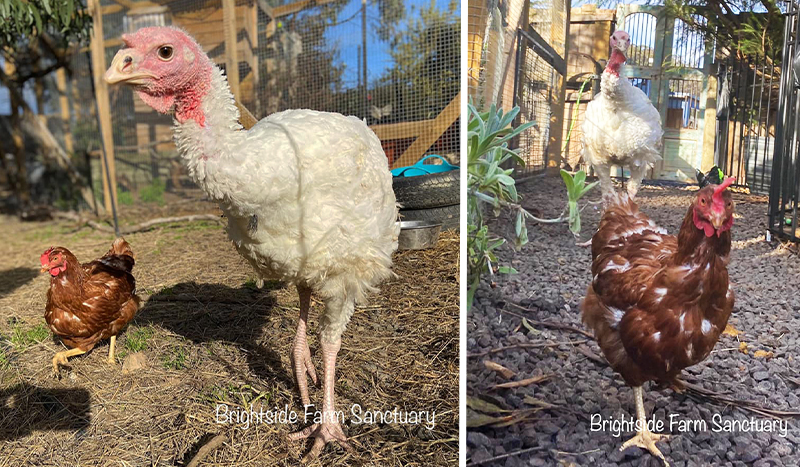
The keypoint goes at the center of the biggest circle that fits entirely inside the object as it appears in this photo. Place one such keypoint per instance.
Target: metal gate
(670, 63)
(747, 98)
(785, 187)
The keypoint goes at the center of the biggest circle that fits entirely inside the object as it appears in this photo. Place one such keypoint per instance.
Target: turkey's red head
(167, 68)
(54, 260)
(713, 208)
(620, 40)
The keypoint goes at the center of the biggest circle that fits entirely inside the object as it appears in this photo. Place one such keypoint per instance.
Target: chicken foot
(60, 358)
(301, 354)
(329, 428)
(644, 439)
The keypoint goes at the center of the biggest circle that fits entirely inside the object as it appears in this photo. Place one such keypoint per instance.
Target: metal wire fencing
(395, 64)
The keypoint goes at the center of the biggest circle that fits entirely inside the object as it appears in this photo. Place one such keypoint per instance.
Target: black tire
(427, 191)
(448, 216)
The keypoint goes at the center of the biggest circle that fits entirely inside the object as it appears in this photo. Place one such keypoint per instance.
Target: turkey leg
(301, 354)
(329, 429)
(644, 439)
(61, 358)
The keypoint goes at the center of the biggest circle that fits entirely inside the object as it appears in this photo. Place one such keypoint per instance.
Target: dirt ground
(210, 336)
(548, 420)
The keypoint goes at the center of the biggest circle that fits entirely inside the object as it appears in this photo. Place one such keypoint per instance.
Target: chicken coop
(516, 57)
(396, 66)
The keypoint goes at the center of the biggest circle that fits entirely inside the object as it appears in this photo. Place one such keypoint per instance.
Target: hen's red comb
(717, 196)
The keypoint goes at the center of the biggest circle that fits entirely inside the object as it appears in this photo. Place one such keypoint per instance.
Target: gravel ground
(552, 280)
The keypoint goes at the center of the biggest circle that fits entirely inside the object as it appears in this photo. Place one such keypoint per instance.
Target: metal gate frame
(784, 191)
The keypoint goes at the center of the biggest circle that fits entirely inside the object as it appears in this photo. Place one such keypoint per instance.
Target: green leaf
(530, 328)
(567, 180)
(506, 270)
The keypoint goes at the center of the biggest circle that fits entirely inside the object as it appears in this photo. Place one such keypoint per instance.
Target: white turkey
(308, 195)
(620, 126)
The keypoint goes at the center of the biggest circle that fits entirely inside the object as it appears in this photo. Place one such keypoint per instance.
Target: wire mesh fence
(395, 65)
(515, 58)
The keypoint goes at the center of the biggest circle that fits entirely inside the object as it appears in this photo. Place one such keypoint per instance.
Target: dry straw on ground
(211, 336)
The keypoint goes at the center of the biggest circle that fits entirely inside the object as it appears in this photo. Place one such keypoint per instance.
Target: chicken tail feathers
(120, 256)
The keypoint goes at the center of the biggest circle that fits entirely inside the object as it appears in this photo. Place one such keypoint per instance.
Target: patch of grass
(167, 290)
(125, 198)
(23, 338)
(4, 362)
(153, 193)
(251, 284)
(137, 340)
(176, 360)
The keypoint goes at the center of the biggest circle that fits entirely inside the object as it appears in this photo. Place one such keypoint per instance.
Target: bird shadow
(217, 313)
(25, 408)
(12, 279)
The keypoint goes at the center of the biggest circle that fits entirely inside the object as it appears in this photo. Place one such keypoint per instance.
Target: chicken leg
(61, 358)
(112, 345)
(329, 429)
(301, 354)
(644, 439)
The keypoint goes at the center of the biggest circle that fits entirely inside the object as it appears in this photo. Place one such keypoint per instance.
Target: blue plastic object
(421, 168)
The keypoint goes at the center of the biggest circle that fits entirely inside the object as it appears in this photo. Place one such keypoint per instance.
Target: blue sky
(348, 37)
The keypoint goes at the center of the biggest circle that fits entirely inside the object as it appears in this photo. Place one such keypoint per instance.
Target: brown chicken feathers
(657, 303)
(89, 302)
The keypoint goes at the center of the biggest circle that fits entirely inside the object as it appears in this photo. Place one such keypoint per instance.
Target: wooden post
(231, 60)
(477, 13)
(557, 103)
(98, 49)
(63, 103)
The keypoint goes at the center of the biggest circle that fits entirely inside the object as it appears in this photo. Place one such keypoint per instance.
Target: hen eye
(703, 201)
(165, 52)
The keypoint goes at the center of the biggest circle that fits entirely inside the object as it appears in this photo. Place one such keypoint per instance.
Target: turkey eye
(165, 52)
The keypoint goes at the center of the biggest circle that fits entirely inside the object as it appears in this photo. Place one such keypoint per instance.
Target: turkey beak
(123, 70)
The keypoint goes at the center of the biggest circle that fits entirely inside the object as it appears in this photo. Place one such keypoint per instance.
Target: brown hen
(658, 303)
(90, 302)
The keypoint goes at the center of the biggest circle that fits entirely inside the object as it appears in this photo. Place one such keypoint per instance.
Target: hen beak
(717, 220)
(44, 268)
(123, 70)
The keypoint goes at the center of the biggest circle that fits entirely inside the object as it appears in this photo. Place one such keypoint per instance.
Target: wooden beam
(284, 10)
(390, 131)
(432, 133)
(63, 103)
(231, 60)
(103, 106)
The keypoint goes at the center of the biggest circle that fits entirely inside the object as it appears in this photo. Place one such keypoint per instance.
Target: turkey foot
(302, 366)
(61, 358)
(328, 428)
(301, 354)
(645, 438)
(323, 433)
